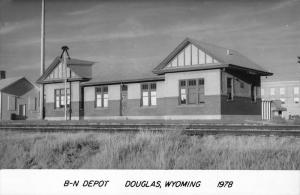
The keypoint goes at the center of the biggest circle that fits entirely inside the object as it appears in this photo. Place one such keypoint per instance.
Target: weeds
(147, 150)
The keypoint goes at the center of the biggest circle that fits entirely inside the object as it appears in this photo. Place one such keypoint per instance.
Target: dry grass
(146, 150)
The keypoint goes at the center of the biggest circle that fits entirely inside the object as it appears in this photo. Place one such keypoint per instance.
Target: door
(192, 92)
(124, 100)
(22, 110)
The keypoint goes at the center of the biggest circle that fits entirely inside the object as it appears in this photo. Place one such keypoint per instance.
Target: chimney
(2, 74)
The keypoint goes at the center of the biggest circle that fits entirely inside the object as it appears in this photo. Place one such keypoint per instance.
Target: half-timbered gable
(190, 56)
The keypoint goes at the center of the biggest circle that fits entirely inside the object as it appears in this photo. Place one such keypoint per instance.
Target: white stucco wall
(49, 91)
(211, 80)
(114, 92)
(75, 92)
(134, 91)
(89, 93)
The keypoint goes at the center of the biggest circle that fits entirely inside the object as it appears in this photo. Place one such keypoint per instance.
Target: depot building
(195, 81)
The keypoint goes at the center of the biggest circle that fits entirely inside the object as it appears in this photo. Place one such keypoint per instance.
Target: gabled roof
(4, 83)
(71, 63)
(227, 58)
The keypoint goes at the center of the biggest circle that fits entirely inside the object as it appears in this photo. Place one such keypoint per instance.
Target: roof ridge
(212, 44)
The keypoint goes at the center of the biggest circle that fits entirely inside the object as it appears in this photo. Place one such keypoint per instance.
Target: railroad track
(188, 129)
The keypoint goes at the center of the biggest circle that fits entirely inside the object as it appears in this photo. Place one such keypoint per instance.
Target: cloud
(11, 27)
(80, 12)
(281, 5)
(8, 27)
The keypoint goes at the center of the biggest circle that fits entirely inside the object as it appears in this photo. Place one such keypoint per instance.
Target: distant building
(288, 92)
(196, 80)
(18, 98)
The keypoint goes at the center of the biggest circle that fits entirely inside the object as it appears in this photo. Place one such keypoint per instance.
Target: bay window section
(148, 94)
(101, 97)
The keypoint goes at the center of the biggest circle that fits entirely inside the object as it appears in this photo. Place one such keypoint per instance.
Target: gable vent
(229, 52)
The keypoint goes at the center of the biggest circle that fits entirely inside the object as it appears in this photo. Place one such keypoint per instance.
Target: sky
(144, 32)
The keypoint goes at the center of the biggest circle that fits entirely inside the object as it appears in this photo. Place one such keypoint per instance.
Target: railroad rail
(188, 129)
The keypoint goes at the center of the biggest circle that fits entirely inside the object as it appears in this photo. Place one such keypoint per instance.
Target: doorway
(22, 111)
(124, 100)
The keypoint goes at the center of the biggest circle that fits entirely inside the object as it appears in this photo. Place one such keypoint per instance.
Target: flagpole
(42, 59)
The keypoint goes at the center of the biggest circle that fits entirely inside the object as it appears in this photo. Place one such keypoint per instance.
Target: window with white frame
(148, 95)
(296, 100)
(281, 91)
(296, 90)
(272, 91)
(59, 98)
(262, 92)
(101, 97)
(191, 91)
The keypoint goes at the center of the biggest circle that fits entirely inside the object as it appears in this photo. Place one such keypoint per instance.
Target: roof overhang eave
(259, 72)
(190, 68)
(160, 78)
(62, 80)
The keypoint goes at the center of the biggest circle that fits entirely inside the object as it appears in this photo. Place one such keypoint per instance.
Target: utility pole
(65, 56)
(42, 59)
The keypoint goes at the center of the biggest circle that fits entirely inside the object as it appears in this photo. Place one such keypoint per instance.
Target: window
(262, 92)
(191, 91)
(282, 100)
(296, 100)
(33, 103)
(59, 98)
(182, 92)
(281, 91)
(148, 94)
(12, 102)
(253, 93)
(101, 97)
(272, 91)
(229, 88)
(201, 91)
(296, 90)
(242, 85)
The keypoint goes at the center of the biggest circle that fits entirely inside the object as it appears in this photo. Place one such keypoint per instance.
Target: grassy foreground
(146, 150)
